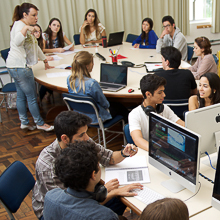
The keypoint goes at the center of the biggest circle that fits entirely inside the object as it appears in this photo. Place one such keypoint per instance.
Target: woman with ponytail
(24, 52)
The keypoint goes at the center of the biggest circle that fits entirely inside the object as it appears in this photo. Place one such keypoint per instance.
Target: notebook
(115, 38)
(113, 77)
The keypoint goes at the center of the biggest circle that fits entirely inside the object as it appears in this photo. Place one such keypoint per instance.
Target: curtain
(215, 16)
(115, 15)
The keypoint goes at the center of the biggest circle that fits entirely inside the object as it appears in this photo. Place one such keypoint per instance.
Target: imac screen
(174, 149)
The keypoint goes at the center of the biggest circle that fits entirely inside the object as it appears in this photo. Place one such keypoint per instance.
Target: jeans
(26, 92)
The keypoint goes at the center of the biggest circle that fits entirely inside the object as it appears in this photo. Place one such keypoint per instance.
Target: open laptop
(113, 77)
(216, 188)
(115, 38)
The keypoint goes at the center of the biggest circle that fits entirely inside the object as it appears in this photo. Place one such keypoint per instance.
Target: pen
(114, 51)
(125, 147)
(110, 51)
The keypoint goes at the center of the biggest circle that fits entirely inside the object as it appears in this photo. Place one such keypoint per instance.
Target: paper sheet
(56, 57)
(63, 66)
(68, 47)
(58, 74)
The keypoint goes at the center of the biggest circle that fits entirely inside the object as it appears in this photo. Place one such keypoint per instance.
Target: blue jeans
(26, 92)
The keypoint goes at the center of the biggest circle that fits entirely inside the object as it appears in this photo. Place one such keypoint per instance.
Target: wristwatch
(123, 155)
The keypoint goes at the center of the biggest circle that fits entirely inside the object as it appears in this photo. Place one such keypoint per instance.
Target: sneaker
(28, 127)
(46, 127)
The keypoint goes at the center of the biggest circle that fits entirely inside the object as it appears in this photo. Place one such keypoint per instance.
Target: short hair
(173, 55)
(69, 122)
(76, 163)
(168, 18)
(204, 43)
(166, 209)
(151, 83)
(214, 82)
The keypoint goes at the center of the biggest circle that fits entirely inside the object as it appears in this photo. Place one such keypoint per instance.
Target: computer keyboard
(148, 195)
(104, 85)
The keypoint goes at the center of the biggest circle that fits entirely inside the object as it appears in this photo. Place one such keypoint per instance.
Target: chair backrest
(80, 103)
(4, 53)
(190, 53)
(215, 58)
(179, 106)
(131, 37)
(127, 134)
(15, 183)
(76, 39)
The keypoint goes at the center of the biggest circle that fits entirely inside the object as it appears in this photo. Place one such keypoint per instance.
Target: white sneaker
(28, 127)
(46, 129)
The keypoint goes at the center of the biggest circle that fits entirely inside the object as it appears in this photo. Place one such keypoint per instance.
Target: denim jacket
(93, 90)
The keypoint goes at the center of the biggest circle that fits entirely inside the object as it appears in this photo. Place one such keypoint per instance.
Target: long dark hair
(40, 39)
(19, 10)
(144, 35)
(96, 22)
(59, 34)
(214, 82)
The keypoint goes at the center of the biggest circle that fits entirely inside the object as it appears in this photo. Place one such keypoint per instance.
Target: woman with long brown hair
(54, 38)
(91, 30)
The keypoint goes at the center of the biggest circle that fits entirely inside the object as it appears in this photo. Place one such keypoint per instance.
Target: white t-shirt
(138, 120)
(92, 35)
(23, 49)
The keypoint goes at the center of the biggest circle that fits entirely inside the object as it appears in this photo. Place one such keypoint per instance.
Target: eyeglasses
(166, 26)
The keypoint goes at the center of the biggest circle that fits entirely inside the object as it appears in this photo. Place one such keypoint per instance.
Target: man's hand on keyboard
(128, 190)
(112, 184)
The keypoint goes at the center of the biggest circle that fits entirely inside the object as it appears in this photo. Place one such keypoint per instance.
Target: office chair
(87, 105)
(179, 106)
(131, 37)
(6, 89)
(76, 39)
(128, 137)
(215, 58)
(15, 184)
(189, 54)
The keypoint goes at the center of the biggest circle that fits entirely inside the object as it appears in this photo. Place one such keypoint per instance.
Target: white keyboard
(147, 195)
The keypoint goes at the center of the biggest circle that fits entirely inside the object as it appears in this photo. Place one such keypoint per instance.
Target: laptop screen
(216, 188)
(116, 74)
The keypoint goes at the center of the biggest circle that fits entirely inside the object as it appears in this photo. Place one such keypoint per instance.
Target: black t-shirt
(179, 83)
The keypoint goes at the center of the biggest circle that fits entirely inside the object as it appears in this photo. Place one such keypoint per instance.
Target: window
(200, 10)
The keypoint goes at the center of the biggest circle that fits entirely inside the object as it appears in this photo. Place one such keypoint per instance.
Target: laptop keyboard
(148, 195)
(105, 86)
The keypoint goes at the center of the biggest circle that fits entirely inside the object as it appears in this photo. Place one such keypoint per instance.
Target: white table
(198, 203)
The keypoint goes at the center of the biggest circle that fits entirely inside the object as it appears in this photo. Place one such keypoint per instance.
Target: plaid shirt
(46, 178)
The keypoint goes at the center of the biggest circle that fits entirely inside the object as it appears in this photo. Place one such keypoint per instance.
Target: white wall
(194, 33)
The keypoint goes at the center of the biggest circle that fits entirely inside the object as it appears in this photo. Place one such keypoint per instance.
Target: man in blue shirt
(78, 168)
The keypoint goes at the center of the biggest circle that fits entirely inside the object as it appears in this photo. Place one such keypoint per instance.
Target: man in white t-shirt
(152, 88)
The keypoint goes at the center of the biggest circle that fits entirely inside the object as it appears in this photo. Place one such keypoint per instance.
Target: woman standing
(205, 62)
(54, 38)
(80, 82)
(148, 38)
(24, 52)
(91, 30)
(209, 92)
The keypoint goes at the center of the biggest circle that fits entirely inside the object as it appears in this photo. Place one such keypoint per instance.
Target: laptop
(115, 38)
(113, 77)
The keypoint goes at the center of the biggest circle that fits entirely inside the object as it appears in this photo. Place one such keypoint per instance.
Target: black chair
(179, 106)
(87, 105)
(131, 37)
(128, 137)
(189, 54)
(76, 39)
(15, 184)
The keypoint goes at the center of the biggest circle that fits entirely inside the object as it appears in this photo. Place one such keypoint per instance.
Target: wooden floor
(16, 144)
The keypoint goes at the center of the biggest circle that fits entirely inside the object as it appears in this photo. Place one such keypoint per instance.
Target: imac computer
(216, 188)
(206, 122)
(174, 150)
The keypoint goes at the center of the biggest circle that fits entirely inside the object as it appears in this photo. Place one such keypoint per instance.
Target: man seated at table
(181, 83)
(171, 36)
(78, 169)
(70, 126)
(152, 88)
